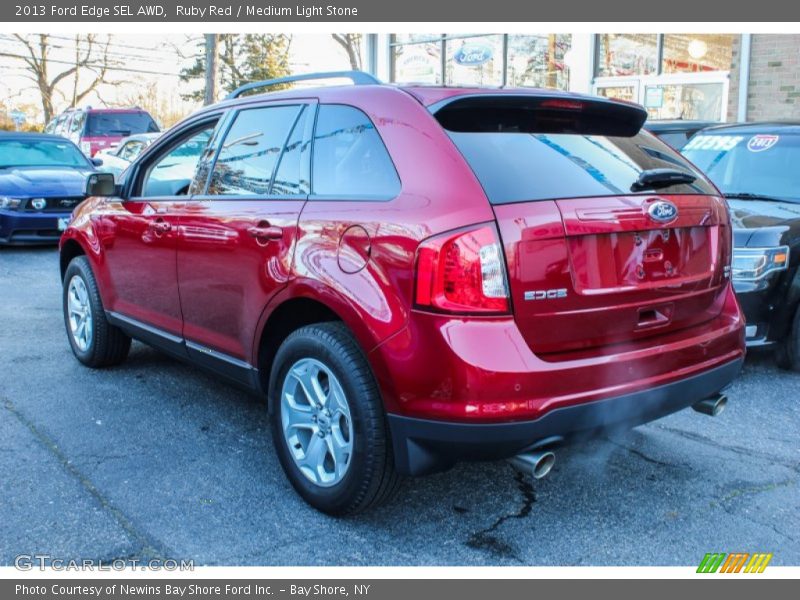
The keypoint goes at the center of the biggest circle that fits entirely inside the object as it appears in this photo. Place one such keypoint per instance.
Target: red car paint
(646, 303)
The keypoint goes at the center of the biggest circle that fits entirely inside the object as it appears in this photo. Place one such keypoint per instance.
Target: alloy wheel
(79, 313)
(316, 422)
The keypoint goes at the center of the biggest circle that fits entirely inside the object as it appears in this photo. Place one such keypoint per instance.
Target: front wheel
(94, 341)
(328, 423)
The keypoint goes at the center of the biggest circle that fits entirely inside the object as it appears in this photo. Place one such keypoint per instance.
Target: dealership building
(718, 77)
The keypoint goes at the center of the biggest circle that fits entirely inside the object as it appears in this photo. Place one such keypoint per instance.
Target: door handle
(160, 226)
(264, 232)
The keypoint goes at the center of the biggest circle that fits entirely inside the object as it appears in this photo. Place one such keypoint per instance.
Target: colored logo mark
(737, 562)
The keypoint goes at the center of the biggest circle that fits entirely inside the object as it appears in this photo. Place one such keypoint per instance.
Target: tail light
(462, 272)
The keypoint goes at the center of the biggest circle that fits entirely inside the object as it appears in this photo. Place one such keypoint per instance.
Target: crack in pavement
(701, 439)
(725, 503)
(645, 457)
(486, 540)
(148, 548)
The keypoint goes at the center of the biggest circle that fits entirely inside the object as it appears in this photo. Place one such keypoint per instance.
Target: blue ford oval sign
(473, 55)
(662, 211)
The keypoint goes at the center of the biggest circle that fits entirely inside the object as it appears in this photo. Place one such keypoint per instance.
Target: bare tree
(91, 57)
(351, 42)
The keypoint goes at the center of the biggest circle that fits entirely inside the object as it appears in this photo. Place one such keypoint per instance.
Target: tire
(787, 354)
(103, 345)
(364, 475)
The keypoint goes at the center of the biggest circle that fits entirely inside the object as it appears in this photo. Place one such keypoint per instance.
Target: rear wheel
(94, 341)
(329, 427)
(787, 354)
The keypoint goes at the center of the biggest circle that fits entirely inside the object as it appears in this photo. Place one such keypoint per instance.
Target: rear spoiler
(528, 113)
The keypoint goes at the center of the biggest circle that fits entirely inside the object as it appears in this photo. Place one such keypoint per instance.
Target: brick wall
(733, 90)
(774, 89)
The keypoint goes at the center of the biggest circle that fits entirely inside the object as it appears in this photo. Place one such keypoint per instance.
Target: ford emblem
(39, 203)
(473, 55)
(662, 211)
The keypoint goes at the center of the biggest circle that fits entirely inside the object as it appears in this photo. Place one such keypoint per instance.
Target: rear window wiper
(653, 179)
(751, 196)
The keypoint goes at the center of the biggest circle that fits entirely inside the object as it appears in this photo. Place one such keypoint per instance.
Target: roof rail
(357, 77)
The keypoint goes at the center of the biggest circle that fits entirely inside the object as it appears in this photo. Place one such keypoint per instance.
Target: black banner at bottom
(704, 586)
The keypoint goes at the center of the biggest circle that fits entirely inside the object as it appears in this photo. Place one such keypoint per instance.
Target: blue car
(42, 179)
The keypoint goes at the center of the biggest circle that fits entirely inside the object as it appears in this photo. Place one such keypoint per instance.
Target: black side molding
(423, 446)
(235, 370)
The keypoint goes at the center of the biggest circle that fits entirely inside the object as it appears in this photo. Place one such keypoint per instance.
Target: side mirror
(101, 184)
(97, 162)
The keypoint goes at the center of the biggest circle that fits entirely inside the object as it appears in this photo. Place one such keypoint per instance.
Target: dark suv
(415, 276)
(756, 165)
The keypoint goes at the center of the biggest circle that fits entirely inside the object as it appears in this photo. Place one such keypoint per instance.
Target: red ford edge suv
(414, 276)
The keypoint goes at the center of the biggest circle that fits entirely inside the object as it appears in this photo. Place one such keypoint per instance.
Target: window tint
(350, 159)
(119, 124)
(77, 122)
(674, 139)
(131, 150)
(514, 167)
(291, 178)
(171, 173)
(748, 162)
(34, 152)
(250, 151)
(60, 123)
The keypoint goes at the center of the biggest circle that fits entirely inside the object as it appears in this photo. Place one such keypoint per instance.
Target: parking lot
(158, 459)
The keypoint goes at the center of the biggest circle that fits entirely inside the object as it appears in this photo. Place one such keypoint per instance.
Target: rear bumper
(20, 228)
(423, 446)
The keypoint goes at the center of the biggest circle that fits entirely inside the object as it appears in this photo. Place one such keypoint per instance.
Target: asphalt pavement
(159, 459)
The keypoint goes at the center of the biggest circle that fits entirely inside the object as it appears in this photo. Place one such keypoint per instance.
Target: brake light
(462, 272)
(562, 104)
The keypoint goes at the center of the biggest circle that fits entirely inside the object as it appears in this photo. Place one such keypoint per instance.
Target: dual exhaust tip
(712, 406)
(535, 464)
(538, 464)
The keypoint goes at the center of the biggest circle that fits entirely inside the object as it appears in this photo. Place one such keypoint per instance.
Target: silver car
(116, 159)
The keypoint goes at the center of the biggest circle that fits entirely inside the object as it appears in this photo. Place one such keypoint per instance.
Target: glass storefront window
(538, 61)
(417, 63)
(476, 60)
(410, 38)
(702, 101)
(692, 53)
(618, 92)
(624, 54)
(481, 59)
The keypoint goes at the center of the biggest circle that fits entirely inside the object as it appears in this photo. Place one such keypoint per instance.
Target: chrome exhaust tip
(711, 406)
(536, 464)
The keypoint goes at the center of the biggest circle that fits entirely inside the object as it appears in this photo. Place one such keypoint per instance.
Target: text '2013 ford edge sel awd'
(415, 276)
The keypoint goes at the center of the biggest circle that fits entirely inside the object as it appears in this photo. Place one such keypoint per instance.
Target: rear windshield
(117, 124)
(764, 164)
(518, 167)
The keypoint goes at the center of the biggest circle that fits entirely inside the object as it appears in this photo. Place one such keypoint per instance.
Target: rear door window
(250, 151)
(349, 158)
(293, 177)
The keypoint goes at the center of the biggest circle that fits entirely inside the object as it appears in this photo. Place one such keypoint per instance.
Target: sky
(142, 60)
